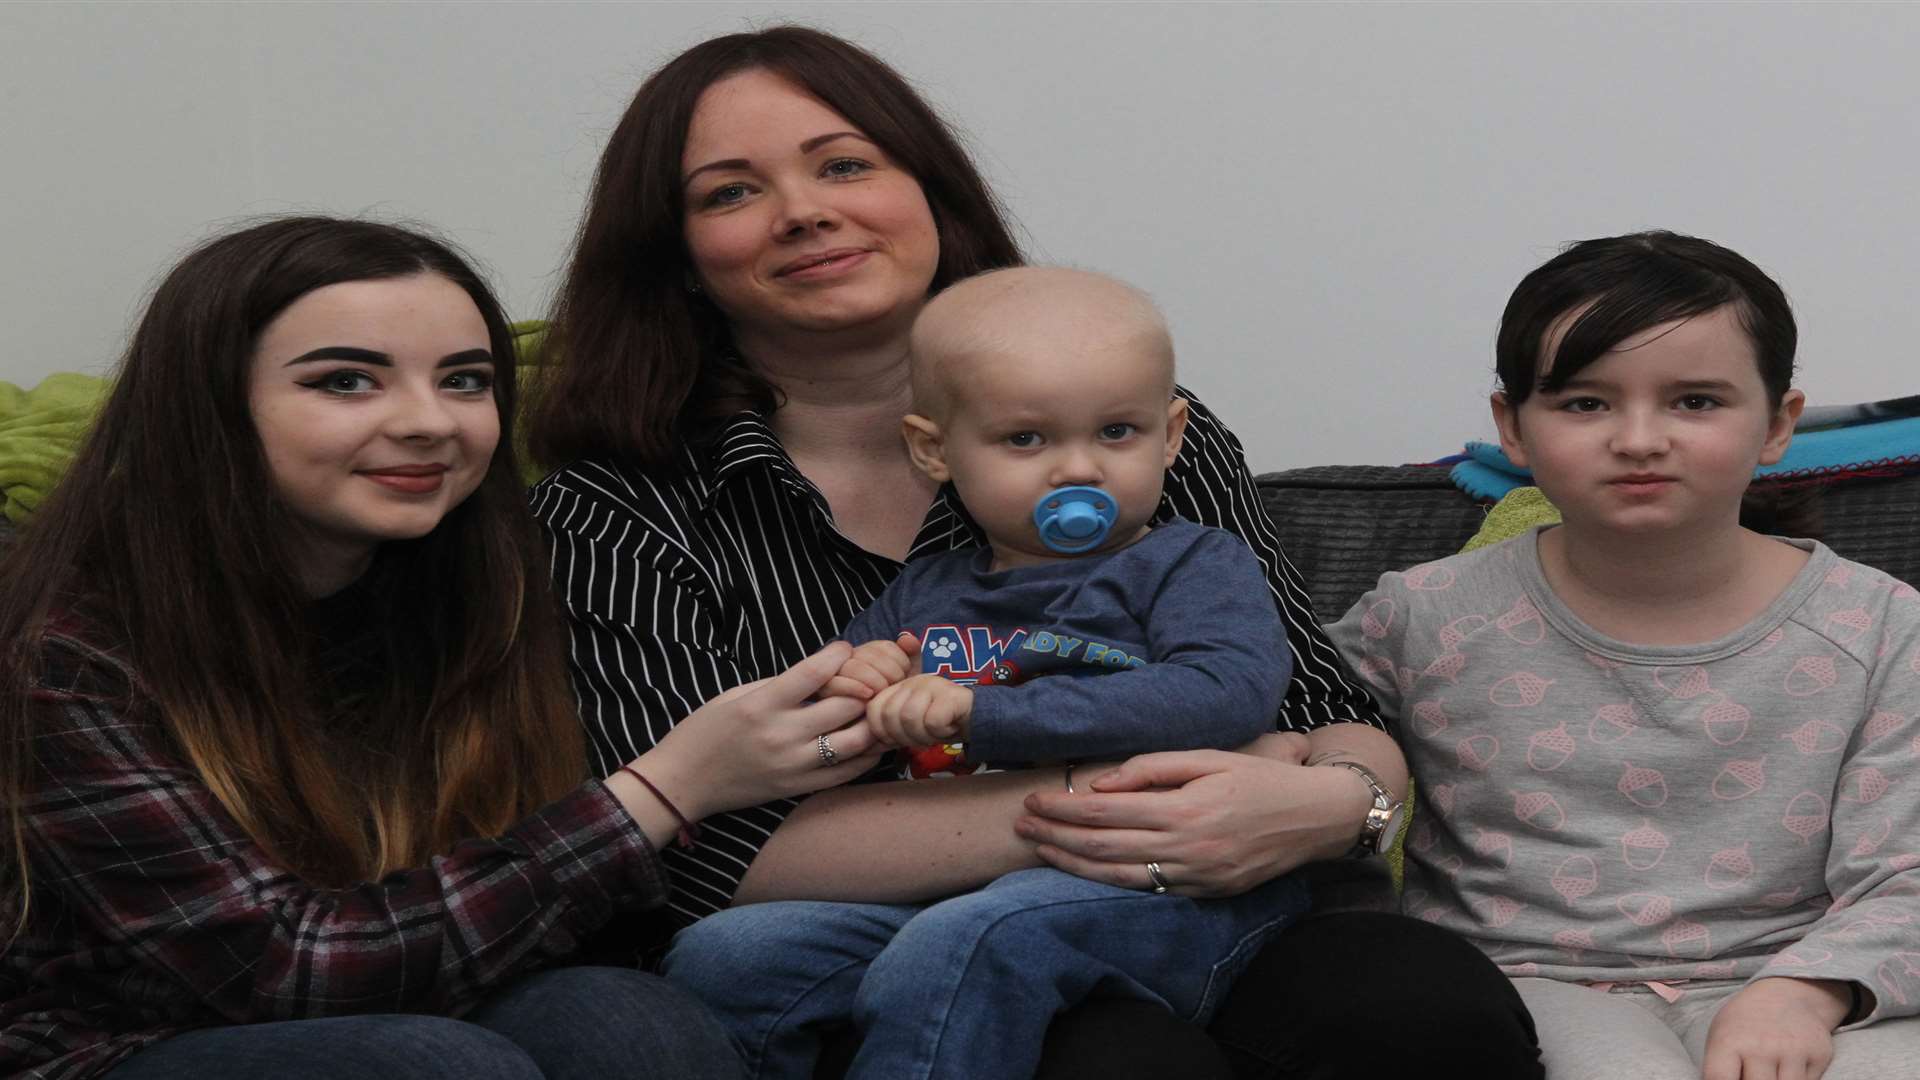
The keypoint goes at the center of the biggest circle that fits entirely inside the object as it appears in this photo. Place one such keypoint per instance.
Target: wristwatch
(1385, 818)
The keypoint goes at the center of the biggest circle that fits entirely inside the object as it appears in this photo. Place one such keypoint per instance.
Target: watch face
(1396, 824)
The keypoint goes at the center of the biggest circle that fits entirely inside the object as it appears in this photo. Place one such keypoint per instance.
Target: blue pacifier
(1074, 519)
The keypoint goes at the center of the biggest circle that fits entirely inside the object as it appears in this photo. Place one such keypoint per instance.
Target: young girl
(1666, 763)
(284, 729)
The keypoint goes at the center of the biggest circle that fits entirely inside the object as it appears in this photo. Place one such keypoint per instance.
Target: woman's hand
(760, 741)
(1217, 822)
(1776, 1029)
(873, 667)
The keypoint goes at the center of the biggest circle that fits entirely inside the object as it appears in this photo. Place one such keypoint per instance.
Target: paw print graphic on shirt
(943, 647)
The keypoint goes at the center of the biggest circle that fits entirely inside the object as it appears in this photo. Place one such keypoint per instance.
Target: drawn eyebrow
(807, 146)
(379, 359)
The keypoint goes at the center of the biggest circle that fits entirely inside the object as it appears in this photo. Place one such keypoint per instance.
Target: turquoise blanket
(1887, 447)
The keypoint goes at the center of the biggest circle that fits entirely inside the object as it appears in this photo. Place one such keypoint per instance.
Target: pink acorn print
(1871, 840)
(1548, 750)
(1645, 909)
(1476, 752)
(1914, 746)
(1839, 576)
(1494, 847)
(1802, 956)
(1643, 787)
(1739, 779)
(1896, 975)
(1447, 666)
(1773, 901)
(1725, 721)
(1429, 718)
(1526, 970)
(1459, 630)
(1913, 662)
(1903, 591)
(1684, 683)
(1574, 943)
(1611, 723)
(1769, 643)
(1523, 623)
(1863, 785)
(1442, 797)
(1686, 938)
(1539, 809)
(1904, 862)
(1422, 837)
(1449, 865)
(1429, 577)
(1817, 737)
(1806, 816)
(1378, 618)
(1882, 724)
(1845, 626)
(1377, 670)
(1575, 877)
(1719, 969)
(1643, 846)
(1603, 663)
(1810, 675)
(1729, 868)
(1522, 689)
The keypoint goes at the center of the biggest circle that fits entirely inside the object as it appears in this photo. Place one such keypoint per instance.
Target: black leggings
(1359, 995)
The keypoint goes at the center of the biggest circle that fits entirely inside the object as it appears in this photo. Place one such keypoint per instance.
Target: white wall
(1331, 201)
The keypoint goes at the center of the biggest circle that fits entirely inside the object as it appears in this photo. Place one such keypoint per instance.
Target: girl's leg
(968, 987)
(1588, 1034)
(335, 1048)
(1359, 995)
(781, 976)
(593, 1023)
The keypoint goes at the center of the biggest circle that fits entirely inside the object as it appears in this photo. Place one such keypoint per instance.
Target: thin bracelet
(1069, 779)
(689, 832)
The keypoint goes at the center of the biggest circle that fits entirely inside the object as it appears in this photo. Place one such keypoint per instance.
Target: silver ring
(1159, 879)
(827, 755)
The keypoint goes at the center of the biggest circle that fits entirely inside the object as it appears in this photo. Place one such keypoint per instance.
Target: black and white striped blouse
(680, 586)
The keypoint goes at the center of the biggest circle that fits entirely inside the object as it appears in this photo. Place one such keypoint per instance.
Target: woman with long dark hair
(292, 772)
(730, 372)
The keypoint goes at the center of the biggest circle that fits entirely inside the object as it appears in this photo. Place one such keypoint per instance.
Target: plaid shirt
(152, 912)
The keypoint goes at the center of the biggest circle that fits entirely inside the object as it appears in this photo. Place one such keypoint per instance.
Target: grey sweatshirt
(1594, 810)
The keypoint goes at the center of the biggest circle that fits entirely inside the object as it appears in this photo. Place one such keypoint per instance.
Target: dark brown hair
(637, 364)
(163, 538)
(1631, 283)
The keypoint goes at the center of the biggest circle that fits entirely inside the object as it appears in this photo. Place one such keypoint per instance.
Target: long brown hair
(636, 363)
(165, 542)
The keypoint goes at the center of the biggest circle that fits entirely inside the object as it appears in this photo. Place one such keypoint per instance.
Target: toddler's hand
(922, 711)
(873, 667)
(1776, 1027)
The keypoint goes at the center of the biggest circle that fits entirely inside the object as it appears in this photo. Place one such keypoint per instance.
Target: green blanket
(39, 431)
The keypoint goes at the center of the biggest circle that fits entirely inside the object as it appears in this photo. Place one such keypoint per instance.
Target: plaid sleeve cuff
(595, 854)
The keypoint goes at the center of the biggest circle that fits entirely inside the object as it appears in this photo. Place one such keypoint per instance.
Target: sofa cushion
(1344, 525)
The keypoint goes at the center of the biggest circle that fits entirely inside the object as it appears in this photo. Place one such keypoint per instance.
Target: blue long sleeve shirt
(1178, 627)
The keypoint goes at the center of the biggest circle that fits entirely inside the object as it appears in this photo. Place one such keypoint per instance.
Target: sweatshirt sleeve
(1373, 638)
(1218, 668)
(1873, 862)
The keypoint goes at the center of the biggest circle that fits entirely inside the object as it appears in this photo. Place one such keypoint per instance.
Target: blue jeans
(580, 1023)
(967, 986)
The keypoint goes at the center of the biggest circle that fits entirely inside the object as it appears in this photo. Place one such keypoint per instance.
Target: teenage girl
(1667, 764)
(292, 775)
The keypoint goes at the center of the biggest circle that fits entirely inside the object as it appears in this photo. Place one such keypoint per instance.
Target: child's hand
(873, 667)
(1776, 1027)
(923, 711)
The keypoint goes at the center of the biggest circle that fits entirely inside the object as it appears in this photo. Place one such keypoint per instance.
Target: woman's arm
(145, 858)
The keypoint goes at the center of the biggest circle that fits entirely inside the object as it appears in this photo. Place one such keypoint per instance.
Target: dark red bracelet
(689, 832)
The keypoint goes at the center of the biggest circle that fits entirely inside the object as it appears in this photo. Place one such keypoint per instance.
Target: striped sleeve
(1210, 484)
(650, 640)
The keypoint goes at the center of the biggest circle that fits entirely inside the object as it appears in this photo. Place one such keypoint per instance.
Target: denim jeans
(581, 1023)
(967, 986)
